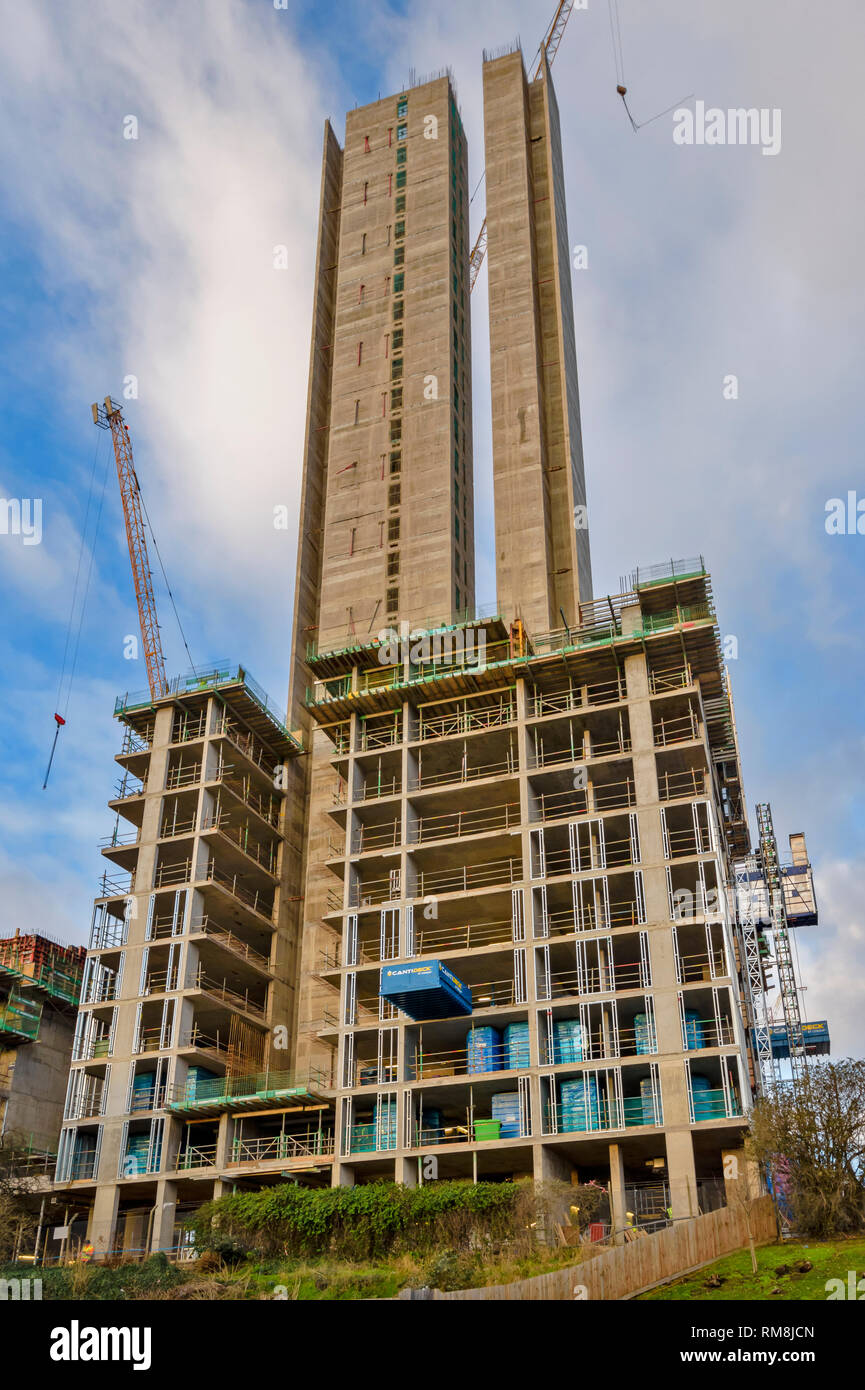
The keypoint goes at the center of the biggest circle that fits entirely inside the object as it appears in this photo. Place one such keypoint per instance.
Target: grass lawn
(831, 1260)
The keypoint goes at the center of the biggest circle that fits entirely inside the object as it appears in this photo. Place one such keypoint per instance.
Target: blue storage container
(483, 1050)
(143, 1090)
(695, 1031)
(386, 1122)
(643, 1034)
(429, 990)
(705, 1107)
(506, 1108)
(568, 1040)
(195, 1077)
(516, 1045)
(431, 1127)
(579, 1106)
(648, 1104)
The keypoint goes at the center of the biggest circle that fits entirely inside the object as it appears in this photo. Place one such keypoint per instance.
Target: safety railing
(171, 827)
(700, 1033)
(279, 1148)
(258, 1084)
(715, 1104)
(116, 885)
(568, 920)
(601, 1114)
(606, 979)
(593, 1045)
(487, 875)
(466, 936)
(259, 901)
(254, 751)
(92, 1049)
(387, 736)
(229, 941)
(577, 697)
(463, 773)
(219, 989)
(182, 775)
(682, 728)
(617, 852)
(267, 807)
(197, 1156)
(127, 786)
(170, 875)
(118, 841)
(598, 748)
(102, 990)
(689, 841)
(83, 1167)
(604, 796)
(670, 678)
(701, 965)
(87, 1104)
(675, 785)
(372, 1138)
(369, 837)
(467, 719)
(375, 788)
(187, 727)
(265, 855)
(449, 825)
(136, 742)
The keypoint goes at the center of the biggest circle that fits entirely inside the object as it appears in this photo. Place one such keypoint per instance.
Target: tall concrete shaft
(387, 529)
(542, 541)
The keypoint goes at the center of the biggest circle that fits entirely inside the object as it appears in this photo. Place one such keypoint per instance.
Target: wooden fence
(625, 1270)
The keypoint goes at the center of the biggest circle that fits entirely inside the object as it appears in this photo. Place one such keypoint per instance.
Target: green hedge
(363, 1222)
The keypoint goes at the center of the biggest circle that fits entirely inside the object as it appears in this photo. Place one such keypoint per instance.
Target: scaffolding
(767, 901)
(787, 982)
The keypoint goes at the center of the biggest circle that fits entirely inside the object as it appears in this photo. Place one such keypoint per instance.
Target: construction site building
(40, 982)
(553, 818)
(468, 913)
(188, 998)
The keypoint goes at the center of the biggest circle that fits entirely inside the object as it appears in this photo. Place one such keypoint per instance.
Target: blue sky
(153, 258)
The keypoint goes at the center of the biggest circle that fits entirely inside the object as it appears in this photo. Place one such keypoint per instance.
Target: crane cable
(60, 719)
(619, 60)
(162, 568)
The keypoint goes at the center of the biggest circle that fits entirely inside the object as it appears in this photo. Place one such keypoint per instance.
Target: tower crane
(109, 416)
(549, 47)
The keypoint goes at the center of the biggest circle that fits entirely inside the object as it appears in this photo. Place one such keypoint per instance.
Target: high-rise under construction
(466, 912)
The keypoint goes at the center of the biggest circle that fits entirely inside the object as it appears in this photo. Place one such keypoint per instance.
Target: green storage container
(487, 1129)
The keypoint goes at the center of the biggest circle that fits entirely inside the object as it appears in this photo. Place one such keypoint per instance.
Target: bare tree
(815, 1135)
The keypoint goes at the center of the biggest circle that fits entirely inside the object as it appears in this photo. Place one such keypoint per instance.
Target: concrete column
(342, 1174)
(224, 1137)
(103, 1219)
(618, 1208)
(682, 1174)
(406, 1170)
(551, 1165)
(162, 1225)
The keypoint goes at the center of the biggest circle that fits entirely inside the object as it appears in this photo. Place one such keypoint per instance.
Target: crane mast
(109, 416)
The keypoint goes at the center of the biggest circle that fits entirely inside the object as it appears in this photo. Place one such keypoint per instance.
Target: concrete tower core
(542, 541)
(387, 500)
